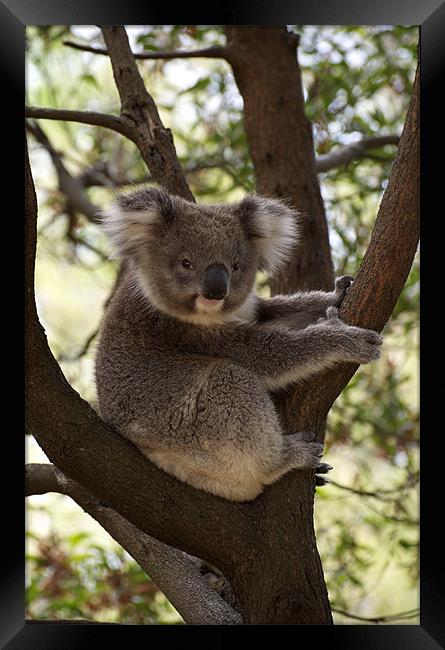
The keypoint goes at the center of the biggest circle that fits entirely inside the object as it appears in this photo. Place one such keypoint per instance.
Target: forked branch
(139, 111)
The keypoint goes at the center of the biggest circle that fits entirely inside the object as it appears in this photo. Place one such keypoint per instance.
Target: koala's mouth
(208, 305)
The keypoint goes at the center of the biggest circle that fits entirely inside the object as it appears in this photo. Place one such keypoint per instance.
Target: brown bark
(280, 142)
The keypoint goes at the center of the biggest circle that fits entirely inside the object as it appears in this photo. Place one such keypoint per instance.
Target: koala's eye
(186, 263)
(235, 266)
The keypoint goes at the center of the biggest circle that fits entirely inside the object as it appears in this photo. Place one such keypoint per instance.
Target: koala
(189, 354)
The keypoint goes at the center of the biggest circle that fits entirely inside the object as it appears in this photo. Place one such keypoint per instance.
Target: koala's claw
(373, 338)
(323, 468)
(343, 283)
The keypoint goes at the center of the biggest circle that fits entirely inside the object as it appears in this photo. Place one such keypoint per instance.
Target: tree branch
(215, 52)
(84, 117)
(391, 618)
(83, 350)
(382, 495)
(68, 184)
(139, 111)
(172, 571)
(281, 145)
(344, 155)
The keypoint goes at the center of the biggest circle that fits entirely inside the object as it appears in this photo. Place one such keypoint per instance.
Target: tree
(149, 513)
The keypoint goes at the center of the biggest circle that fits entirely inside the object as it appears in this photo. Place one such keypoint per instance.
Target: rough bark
(280, 141)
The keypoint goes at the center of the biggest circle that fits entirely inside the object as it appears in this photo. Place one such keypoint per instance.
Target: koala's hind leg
(298, 452)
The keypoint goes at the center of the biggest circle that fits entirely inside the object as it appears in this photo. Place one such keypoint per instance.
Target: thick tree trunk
(280, 141)
(279, 578)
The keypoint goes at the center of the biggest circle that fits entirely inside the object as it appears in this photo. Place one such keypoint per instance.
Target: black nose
(216, 282)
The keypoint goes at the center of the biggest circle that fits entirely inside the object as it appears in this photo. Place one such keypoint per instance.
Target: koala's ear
(272, 227)
(135, 219)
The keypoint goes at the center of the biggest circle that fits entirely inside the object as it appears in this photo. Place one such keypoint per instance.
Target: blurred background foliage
(357, 83)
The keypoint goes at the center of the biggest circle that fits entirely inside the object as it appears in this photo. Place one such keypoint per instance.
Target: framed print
(221, 239)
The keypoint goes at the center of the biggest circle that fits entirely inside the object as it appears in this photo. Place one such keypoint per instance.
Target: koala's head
(198, 262)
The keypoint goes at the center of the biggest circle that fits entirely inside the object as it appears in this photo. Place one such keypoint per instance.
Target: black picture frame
(430, 16)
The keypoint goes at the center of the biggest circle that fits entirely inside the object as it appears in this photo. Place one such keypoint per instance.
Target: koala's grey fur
(188, 383)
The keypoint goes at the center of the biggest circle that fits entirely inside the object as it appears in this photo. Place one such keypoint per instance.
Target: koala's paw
(365, 344)
(309, 454)
(360, 345)
(342, 285)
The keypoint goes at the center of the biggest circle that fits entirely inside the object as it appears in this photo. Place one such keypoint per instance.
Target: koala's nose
(216, 282)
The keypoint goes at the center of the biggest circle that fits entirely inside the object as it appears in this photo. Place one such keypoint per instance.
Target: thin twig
(378, 494)
(82, 242)
(70, 185)
(215, 52)
(83, 350)
(412, 613)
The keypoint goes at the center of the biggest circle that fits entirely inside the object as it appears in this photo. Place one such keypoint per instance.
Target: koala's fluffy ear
(134, 219)
(272, 227)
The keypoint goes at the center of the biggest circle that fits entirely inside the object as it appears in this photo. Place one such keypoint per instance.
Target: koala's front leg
(300, 309)
(281, 356)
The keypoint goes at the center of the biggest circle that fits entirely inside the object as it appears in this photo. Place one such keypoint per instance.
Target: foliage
(357, 82)
(75, 578)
